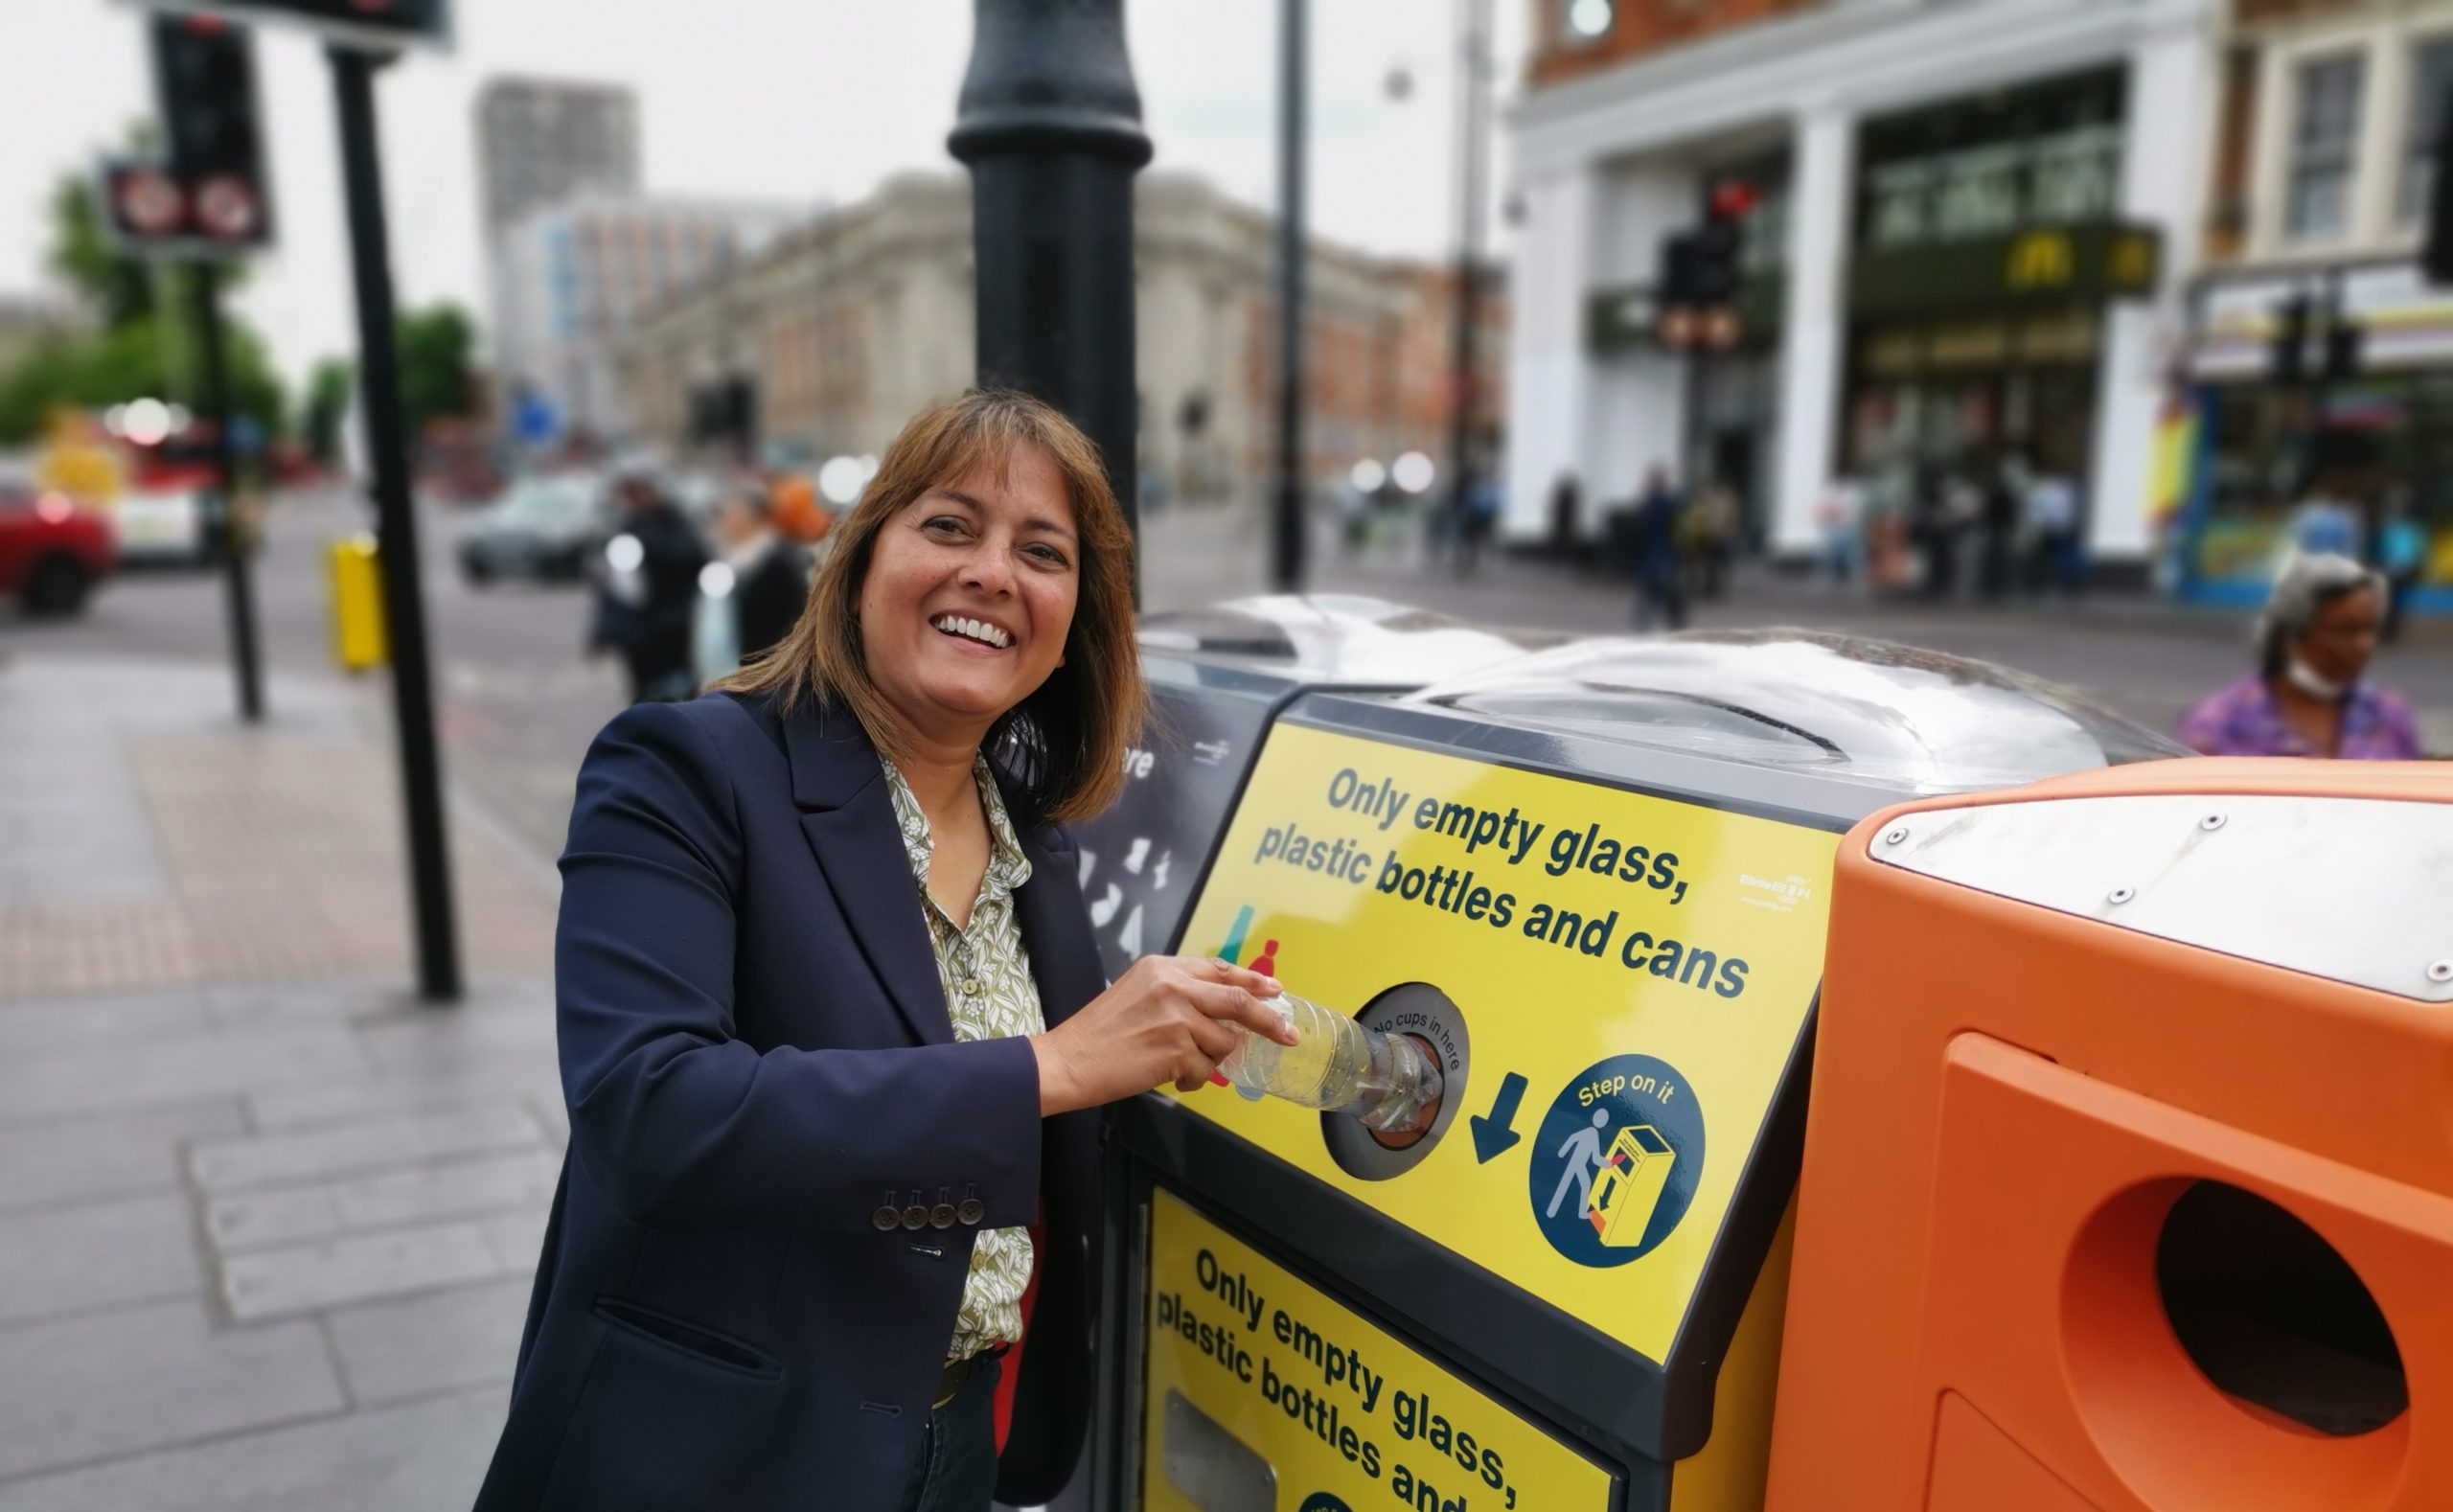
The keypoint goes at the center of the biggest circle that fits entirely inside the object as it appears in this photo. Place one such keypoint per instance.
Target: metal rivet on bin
(2120, 894)
(2213, 821)
(1895, 834)
(2441, 972)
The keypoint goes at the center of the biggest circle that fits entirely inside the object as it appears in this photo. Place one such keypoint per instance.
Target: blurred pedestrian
(753, 593)
(1716, 514)
(1998, 538)
(1952, 503)
(794, 511)
(1479, 522)
(2401, 554)
(2327, 522)
(1566, 502)
(1354, 505)
(1661, 597)
(2307, 698)
(1841, 518)
(2053, 532)
(649, 591)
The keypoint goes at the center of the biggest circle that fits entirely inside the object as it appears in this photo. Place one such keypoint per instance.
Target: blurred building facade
(1974, 230)
(29, 321)
(542, 141)
(857, 319)
(569, 278)
(2321, 180)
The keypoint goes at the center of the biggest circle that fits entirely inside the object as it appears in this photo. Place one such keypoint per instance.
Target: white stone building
(1978, 220)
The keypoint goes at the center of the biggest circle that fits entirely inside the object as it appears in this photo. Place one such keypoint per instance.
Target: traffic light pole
(246, 659)
(437, 947)
(1289, 542)
(1049, 124)
(1473, 148)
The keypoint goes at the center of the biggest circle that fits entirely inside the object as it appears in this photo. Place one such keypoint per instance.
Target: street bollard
(358, 602)
(1049, 124)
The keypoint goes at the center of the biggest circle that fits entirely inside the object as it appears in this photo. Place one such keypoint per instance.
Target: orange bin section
(2128, 1179)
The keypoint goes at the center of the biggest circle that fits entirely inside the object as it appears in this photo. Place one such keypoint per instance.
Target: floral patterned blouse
(2244, 720)
(989, 994)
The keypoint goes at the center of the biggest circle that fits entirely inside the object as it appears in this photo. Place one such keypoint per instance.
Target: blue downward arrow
(1492, 1136)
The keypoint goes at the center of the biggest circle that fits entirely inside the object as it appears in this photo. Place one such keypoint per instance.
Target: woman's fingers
(1233, 1005)
(1250, 981)
(1215, 1040)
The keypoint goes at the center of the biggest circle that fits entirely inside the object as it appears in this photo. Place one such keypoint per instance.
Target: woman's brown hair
(1062, 746)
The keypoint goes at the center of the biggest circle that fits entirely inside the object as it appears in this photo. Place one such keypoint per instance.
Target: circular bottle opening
(1424, 1014)
(2274, 1315)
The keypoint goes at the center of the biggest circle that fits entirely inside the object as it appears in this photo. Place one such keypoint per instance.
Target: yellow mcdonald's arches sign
(2040, 260)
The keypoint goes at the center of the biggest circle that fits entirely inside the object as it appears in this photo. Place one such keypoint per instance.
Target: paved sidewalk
(266, 1223)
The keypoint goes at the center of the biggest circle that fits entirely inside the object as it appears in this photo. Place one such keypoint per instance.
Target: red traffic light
(1733, 199)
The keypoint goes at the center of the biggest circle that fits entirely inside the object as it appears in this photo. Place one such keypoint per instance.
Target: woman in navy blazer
(784, 1146)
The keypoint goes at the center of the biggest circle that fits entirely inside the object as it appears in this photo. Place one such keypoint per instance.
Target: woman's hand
(1167, 1019)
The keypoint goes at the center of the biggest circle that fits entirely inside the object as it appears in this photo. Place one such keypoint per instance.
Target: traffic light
(205, 71)
(1700, 270)
(2290, 352)
(375, 23)
(1717, 245)
(2345, 339)
(2436, 253)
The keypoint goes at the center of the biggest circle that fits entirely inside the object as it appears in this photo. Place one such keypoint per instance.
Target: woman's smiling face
(970, 596)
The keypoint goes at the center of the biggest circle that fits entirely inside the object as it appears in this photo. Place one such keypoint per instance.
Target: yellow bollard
(357, 603)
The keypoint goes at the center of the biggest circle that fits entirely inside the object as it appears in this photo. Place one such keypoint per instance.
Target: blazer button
(972, 1211)
(916, 1217)
(942, 1216)
(887, 1218)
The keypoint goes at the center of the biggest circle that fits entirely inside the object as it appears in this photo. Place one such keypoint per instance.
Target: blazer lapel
(849, 819)
(1056, 926)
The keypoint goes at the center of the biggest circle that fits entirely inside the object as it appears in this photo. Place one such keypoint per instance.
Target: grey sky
(791, 100)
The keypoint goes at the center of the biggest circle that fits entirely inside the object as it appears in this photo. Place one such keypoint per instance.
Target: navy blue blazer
(758, 1061)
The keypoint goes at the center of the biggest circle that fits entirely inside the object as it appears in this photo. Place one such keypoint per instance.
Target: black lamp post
(1049, 124)
(1472, 166)
(1288, 522)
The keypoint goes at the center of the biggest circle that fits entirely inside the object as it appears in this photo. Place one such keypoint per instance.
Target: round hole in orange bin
(2274, 1315)
(2201, 1382)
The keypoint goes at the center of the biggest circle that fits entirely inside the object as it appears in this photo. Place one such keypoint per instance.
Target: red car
(52, 550)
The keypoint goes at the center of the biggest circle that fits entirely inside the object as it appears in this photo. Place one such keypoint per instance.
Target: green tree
(132, 362)
(434, 347)
(118, 290)
(324, 407)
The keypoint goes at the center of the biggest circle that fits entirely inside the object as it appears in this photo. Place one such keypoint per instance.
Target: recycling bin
(1593, 883)
(1217, 677)
(2127, 1183)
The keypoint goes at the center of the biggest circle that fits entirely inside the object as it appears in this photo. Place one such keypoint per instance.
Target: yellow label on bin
(1264, 1395)
(1631, 974)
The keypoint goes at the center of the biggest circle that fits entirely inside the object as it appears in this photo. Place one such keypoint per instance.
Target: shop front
(1987, 248)
(2256, 464)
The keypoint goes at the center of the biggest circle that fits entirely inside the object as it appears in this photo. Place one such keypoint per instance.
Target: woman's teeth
(976, 630)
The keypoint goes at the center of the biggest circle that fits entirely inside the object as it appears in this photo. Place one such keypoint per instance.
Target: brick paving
(266, 1223)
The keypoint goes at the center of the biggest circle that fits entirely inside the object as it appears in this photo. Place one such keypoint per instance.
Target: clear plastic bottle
(1389, 1082)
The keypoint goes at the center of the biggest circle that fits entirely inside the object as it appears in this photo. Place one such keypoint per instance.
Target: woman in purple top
(2314, 640)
